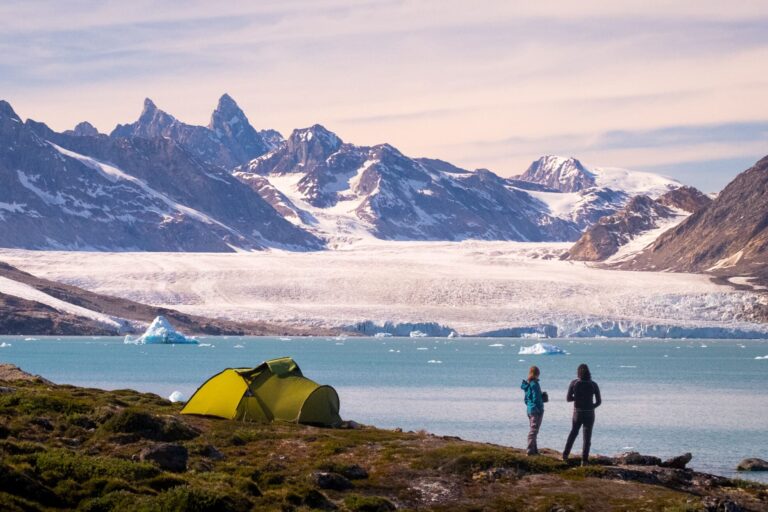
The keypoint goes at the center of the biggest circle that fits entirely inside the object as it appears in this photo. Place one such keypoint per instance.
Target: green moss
(581, 472)
(60, 464)
(37, 403)
(465, 459)
(356, 503)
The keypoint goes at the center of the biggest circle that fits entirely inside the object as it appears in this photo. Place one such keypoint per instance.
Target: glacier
(475, 288)
(161, 332)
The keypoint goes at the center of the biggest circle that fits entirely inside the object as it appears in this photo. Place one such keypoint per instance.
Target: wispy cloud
(621, 80)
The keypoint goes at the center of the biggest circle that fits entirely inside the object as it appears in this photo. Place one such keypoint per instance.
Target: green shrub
(357, 503)
(60, 464)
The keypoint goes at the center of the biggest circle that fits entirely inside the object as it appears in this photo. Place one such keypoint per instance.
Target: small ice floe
(521, 360)
(422, 348)
(206, 345)
(496, 345)
(634, 346)
(177, 396)
(417, 334)
(286, 339)
(339, 343)
(761, 357)
(383, 335)
(434, 361)
(541, 349)
(30, 339)
(627, 366)
(161, 332)
(452, 334)
(666, 355)
(5, 345)
(703, 346)
(239, 346)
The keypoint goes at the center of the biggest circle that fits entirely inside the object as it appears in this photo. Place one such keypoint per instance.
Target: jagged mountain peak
(149, 105)
(566, 174)
(7, 111)
(227, 113)
(316, 132)
(84, 129)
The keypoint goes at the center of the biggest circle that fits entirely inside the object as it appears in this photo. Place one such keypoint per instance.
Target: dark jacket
(533, 398)
(582, 392)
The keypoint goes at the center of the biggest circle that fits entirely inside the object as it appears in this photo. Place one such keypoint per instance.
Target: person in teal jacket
(535, 403)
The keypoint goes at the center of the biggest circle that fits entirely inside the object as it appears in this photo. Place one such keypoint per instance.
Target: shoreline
(117, 435)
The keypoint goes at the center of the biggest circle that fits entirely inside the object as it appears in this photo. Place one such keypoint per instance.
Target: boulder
(354, 472)
(636, 459)
(752, 464)
(678, 462)
(333, 481)
(170, 457)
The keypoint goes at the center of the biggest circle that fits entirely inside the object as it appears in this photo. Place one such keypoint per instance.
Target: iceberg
(161, 332)
(383, 335)
(418, 334)
(541, 349)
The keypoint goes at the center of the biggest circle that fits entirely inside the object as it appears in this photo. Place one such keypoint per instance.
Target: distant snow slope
(472, 287)
(27, 292)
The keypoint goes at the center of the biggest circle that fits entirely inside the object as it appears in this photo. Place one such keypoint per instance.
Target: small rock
(333, 481)
(42, 422)
(171, 457)
(354, 472)
(678, 462)
(318, 501)
(752, 464)
(715, 504)
(211, 452)
(636, 459)
(601, 460)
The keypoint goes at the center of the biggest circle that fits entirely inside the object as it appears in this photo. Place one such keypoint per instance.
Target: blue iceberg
(161, 332)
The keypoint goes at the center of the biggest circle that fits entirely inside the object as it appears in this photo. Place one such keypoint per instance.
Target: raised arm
(569, 397)
(598, 400)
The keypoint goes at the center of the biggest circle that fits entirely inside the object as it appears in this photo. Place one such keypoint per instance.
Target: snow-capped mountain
(641, 221)
(559, 174)
(96, 192)
(728, 237)
(242, 188)
(228, 140)
(582, 195)
(343, 191)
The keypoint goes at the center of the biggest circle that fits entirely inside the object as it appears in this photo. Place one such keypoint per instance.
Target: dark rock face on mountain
(689, 199)
(396, 197)
(84, 129)
(606, 237)
(729, 236)
(557, 173)
(83, 192)
(229, 139)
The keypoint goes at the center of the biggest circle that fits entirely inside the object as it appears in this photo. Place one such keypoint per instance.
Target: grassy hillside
(63, 447)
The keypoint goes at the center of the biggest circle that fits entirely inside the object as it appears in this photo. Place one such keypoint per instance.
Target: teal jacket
(533, 396)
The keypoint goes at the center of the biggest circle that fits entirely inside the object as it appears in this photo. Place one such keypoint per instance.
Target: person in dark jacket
(535, 404)
(585, 395)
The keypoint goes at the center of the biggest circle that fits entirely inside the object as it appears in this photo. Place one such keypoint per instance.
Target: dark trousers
(535, 423)
(581, 419)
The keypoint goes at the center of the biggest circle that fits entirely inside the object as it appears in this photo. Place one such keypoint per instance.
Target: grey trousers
(535, 423)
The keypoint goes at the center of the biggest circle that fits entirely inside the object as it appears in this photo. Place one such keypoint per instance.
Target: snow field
(472, 287)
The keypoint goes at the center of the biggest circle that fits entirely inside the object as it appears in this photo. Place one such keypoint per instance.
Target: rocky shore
(64, 447)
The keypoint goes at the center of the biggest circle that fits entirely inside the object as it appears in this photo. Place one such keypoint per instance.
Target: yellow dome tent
(276, 390)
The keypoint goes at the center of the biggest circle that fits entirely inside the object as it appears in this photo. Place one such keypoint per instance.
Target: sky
(674, 87)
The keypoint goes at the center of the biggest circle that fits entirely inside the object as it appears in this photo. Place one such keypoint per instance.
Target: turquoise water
(662, 397)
